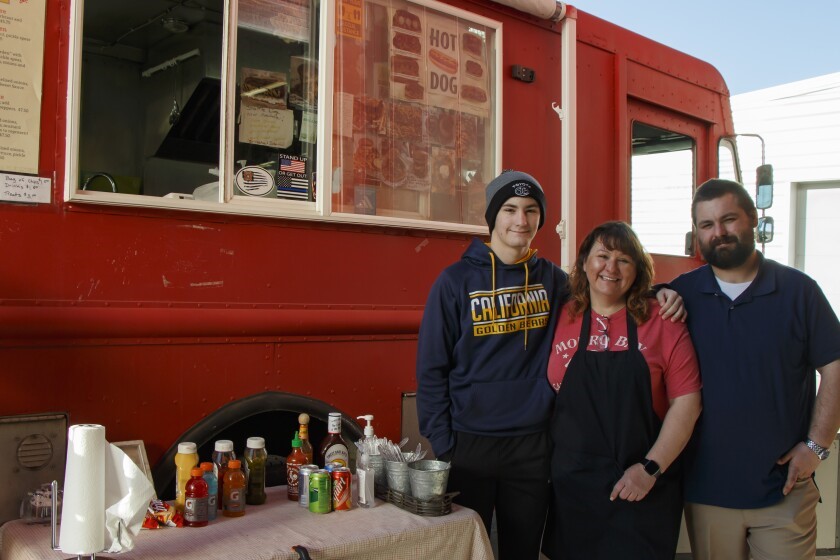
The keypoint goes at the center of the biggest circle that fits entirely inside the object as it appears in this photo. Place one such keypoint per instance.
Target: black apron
(604, 422)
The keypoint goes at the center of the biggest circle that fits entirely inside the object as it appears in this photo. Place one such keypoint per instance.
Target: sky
(754, 44)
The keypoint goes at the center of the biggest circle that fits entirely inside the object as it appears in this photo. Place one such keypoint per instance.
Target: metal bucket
(377, 462)
(397, 475)
(428, 478)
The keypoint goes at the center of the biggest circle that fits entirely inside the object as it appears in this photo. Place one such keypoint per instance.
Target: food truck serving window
(238, 106)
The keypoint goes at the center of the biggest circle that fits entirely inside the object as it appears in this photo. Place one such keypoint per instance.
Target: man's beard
(728, 258)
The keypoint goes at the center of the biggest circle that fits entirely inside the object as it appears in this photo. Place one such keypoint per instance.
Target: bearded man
(760, 330)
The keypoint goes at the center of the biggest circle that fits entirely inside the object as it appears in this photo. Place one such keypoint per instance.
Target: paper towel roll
(83, 510)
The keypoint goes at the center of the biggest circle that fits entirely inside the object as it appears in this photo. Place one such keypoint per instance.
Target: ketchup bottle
(195, 507)
(293, 463)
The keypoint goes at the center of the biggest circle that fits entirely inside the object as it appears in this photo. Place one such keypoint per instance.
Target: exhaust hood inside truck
(195, 135)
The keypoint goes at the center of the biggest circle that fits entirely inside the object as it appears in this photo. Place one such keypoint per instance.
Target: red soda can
(341, 478)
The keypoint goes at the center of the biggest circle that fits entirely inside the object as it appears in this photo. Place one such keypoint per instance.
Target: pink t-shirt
(666, 347)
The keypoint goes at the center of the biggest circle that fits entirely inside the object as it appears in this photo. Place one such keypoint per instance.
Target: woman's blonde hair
(615, 236)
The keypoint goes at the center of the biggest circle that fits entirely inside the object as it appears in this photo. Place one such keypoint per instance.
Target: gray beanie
(512, 183)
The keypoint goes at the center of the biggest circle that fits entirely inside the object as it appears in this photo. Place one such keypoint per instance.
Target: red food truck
(216, 211)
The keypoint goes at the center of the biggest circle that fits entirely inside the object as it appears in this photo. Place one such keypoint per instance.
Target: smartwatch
(652, 468)
(820, 451)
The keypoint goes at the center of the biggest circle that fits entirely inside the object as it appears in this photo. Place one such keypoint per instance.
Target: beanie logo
(522, 189)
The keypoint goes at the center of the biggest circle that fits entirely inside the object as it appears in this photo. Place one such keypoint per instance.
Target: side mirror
(764, 231)
(764, 187)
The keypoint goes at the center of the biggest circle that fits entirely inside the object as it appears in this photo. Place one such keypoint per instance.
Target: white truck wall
(800, 124)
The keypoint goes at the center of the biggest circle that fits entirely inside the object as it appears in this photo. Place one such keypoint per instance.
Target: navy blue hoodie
(484, 346)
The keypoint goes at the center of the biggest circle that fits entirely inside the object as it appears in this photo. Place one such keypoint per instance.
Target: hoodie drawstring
(526, 304)
(493, 288)
(493, 284)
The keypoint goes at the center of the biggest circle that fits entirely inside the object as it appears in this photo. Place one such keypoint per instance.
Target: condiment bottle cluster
(228, 484)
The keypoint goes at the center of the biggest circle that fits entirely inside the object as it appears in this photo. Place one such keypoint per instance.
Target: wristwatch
(821, 451)
(652, 468)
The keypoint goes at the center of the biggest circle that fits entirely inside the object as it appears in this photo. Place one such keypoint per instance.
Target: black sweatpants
(510, 475)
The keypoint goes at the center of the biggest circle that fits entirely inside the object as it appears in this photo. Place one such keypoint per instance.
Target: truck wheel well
(272, 415)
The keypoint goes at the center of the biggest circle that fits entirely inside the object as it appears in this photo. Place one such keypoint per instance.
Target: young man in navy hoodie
(483, 398)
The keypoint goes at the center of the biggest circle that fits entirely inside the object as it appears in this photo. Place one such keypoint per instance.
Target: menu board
(21, 69)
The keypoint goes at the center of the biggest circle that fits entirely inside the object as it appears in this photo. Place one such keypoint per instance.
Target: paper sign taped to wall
(266, 126)
(24, 188)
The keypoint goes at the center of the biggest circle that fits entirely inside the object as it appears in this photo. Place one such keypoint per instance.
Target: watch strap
(818, 449)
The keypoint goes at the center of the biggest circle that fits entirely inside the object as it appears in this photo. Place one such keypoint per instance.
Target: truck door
(669, 151)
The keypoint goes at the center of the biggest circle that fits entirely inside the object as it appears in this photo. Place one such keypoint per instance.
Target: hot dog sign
(456, 68)
(438, 59)
(443, 57)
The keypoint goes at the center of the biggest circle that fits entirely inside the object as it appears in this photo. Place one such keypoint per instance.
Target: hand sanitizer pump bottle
(364, 468)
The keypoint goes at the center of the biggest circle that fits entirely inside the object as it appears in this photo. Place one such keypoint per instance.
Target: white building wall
(800, 124)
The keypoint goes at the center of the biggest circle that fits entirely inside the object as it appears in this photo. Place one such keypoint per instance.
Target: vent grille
(34, 452)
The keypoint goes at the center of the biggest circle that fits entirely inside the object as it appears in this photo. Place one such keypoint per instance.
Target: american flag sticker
(290, 165)
(292, 187)
(292, 180)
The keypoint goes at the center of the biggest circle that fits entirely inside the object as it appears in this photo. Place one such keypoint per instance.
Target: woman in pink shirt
(628, 395)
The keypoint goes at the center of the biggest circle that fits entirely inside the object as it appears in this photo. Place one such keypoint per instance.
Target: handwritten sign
(24, 188)
(266, 126)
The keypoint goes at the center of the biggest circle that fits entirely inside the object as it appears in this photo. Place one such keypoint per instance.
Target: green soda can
(320, 492)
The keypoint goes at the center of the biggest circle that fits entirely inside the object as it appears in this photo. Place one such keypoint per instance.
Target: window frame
(730, 144)
(693, 153)
(237, 205)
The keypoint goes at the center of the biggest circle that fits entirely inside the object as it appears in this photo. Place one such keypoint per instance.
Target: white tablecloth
(269, 531)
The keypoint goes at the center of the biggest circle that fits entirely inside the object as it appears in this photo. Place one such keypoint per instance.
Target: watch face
(651, 467)
(818, 449)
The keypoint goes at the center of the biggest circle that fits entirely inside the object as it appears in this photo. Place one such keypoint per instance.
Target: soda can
(341, 495)
(303, 483)
(320, 492)
(331, 466)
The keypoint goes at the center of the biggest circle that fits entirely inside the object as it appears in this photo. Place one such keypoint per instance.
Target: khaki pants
(784, 531)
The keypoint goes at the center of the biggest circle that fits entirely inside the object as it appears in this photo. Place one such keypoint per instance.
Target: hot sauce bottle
(334, 447)
(305, 446)
(293, 463)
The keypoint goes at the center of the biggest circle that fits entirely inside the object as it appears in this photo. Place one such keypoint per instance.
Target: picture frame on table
(136, 451)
